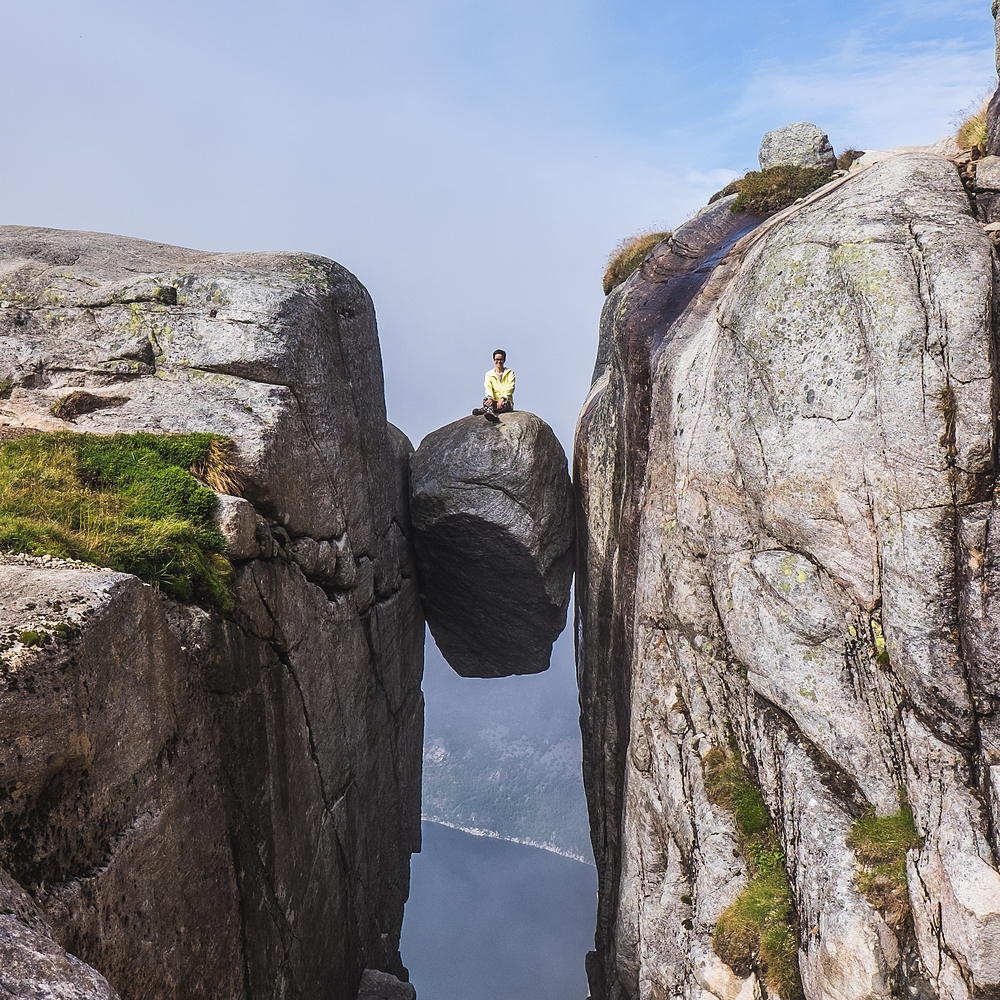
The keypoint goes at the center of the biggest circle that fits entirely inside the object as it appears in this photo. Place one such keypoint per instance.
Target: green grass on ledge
(758, 932)
(880, 844)
(127, 501)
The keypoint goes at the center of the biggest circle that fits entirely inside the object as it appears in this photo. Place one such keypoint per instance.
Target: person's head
(499, 357)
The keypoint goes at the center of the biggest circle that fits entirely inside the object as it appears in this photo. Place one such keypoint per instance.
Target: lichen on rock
(796, 469)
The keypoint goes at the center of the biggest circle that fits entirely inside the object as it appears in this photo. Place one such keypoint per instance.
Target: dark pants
(498, 407)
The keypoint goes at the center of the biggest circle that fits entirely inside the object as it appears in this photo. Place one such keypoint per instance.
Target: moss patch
(765, 191)
(627, 256)
(727, 785)
(128, 501)
(77, 403)
(758, 932)
(33, 637)
(880, 844)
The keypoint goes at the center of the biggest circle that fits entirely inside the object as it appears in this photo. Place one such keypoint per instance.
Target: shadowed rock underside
(492, 510)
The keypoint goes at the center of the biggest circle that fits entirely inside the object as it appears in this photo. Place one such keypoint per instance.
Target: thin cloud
(951, 10)
(875, 98)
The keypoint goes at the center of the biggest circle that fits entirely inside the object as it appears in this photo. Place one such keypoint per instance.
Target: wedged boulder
(800, 144)
(797, 558)
(207, 805)
(492, 511)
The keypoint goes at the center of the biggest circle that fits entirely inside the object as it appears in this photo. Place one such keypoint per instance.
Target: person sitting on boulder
(499, 387)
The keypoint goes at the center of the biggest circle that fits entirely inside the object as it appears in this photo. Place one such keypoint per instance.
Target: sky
(473, 164)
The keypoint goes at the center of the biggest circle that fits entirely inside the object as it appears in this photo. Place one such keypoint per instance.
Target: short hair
(503, 354)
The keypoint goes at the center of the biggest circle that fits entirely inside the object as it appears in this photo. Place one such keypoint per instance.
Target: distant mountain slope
(502, 757)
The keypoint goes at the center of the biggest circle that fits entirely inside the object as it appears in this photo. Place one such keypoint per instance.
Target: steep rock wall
(803, 489)
(210, 805)
(609, 464)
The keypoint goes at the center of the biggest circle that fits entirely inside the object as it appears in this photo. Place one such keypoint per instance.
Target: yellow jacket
(500, 386)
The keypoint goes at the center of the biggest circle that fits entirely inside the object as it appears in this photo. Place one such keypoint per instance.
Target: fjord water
(490, 919)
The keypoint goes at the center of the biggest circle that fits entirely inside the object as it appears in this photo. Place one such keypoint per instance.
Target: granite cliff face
(786, 473)
(209, 805)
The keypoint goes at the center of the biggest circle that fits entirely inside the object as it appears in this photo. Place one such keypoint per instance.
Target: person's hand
(503, 400)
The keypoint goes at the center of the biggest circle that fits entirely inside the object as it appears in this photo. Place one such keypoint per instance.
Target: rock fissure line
(244, 376)
(493, 487)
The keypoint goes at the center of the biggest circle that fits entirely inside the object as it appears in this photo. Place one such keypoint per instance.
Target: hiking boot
(491, 417)
(478, 411)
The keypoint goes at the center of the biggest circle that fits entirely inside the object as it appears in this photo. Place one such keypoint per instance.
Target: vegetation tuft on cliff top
(628, 255)
(758, 932)
(971, 130)
(129, 502)
(766, 191)
(848, 157)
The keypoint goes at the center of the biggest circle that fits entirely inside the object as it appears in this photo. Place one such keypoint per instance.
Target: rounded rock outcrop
(800, 144)
(492, 511)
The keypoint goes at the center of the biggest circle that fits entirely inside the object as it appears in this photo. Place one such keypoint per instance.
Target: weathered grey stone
(996, 32)
(947, 146)
(237, 520)
(802, 490)
(278, 350)
(988, 188)
(800, 144)
(103, 815)
(381, 986)
(210, 805)
(492, 511)
(315, 558)
(988, 174)
(209, 768)
(32, 965)
(993, 110)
